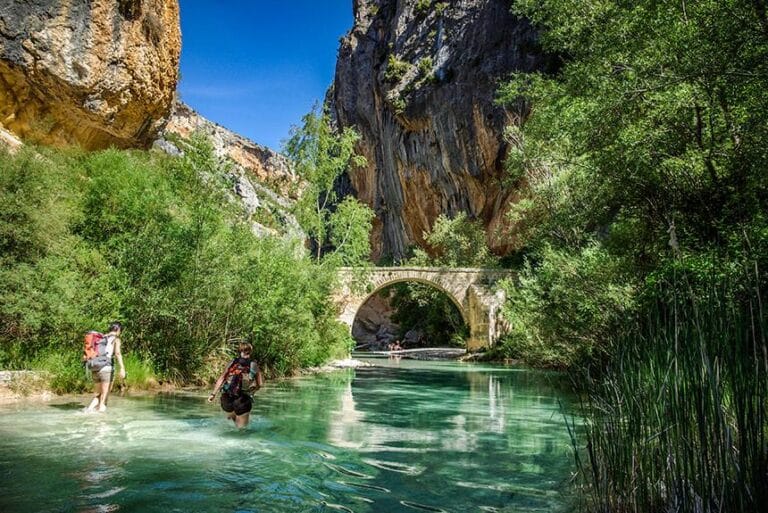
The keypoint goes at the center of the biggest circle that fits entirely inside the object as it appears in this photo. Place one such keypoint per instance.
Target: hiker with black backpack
(99, 354)
(240, 377)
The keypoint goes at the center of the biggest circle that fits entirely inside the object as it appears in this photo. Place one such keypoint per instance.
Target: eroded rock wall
(263, 181)
(93, 73)
(265, 164)
(418, 81)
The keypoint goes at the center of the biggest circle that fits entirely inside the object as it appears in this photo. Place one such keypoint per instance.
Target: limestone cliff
(89, 72)
(417, 79)
(263, 181)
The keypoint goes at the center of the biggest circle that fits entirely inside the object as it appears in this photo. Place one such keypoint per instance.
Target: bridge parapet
(472, 290)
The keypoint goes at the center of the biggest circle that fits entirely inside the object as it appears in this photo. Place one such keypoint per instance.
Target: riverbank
(19, 385)
(424, 353)
(33, 385)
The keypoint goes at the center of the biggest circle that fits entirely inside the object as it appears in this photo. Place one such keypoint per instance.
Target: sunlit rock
(418, 81)
(93, 73)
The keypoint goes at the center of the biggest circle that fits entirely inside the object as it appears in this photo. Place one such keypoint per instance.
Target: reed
(679, 421)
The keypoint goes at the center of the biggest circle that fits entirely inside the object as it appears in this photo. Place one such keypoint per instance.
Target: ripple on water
(365, 486)
(422, 507)
(393, 466)
(346, 471)
(337, 507)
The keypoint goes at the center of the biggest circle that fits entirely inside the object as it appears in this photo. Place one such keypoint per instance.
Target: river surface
(404, 436)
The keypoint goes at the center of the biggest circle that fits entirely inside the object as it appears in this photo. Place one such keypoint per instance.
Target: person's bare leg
(103, 393)
(242, 420)
(95, 401)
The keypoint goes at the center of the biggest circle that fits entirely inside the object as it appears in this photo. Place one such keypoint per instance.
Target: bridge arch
(388, 283)
(470, 289)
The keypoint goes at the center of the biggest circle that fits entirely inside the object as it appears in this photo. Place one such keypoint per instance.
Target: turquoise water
(402, 437)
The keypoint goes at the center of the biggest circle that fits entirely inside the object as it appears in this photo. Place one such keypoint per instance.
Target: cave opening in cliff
(417, 315)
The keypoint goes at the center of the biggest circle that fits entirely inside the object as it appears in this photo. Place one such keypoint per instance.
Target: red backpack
(95, 351)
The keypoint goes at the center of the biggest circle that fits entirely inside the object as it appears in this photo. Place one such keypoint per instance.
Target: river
(402, 436)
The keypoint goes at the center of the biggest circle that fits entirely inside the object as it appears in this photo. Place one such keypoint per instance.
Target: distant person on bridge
(240, 377)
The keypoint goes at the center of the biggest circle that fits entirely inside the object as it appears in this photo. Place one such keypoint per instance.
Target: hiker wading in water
(104, 375)
(240, 375)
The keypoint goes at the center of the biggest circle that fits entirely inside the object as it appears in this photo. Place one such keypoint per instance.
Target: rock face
(266, 165)
(94, 73)
(263, 181)
(418, 81)
(373, 326)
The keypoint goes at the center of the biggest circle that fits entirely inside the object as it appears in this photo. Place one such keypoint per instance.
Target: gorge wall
(262, 181)
(94, 73)
(417, 80)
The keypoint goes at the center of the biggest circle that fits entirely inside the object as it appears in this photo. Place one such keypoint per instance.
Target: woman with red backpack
(241, 375)
(103, 372)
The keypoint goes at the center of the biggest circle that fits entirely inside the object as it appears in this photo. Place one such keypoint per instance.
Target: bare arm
(218, 384)
(255, 374)
(119, 356)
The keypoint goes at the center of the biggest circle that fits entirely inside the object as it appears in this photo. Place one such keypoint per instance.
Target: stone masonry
(472, 291)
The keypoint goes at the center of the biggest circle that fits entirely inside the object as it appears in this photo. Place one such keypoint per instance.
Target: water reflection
(399, 437)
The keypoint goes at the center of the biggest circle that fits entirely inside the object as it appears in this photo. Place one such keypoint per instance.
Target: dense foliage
(644, 161)
(455, 242)
(155, 242)
(433, 316)
(339, 231)
(648, 148)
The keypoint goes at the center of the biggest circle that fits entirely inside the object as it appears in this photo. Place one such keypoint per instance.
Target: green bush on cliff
(153, 241)
(422, 6)
(396, 68)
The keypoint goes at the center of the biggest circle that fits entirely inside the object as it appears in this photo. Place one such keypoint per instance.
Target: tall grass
(679, 422)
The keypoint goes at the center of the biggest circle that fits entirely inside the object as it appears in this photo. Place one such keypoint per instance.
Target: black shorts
(240, 404)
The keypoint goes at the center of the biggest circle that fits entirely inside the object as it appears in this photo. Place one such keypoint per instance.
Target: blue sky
(257, 66)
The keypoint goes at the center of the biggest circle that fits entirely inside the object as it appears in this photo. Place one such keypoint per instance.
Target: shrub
(139, 372)
(150, 240)
(63, 371)
(457, 242)
(425, 66)
(563, 307)
(422, 6)
(396, 69)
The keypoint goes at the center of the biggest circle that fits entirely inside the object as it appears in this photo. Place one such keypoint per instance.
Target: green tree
(649, 145)
(321, 155)
(156, 242)
(350, 228)
(657, 123)
(644, 161)
(456, 242)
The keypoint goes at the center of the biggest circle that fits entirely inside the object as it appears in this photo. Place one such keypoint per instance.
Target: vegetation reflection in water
(404, 436)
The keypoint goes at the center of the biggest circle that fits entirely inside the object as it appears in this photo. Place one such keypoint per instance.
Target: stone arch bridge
(472, 290)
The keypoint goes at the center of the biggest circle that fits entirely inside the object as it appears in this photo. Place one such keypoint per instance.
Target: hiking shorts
(104, 375)
(240, 404)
